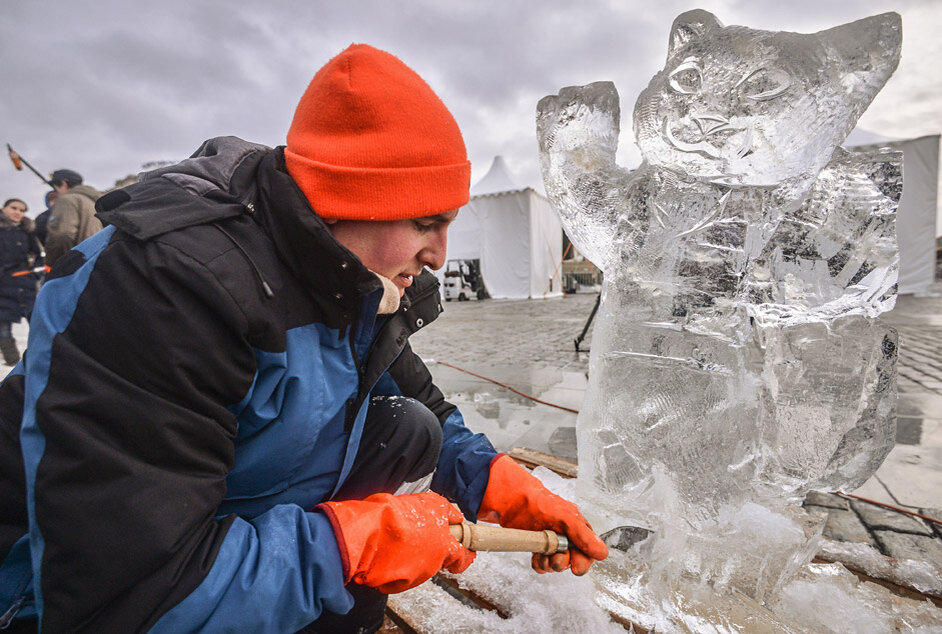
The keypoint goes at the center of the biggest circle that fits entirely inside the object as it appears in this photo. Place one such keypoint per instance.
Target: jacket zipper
(8, 616)
(352, 402)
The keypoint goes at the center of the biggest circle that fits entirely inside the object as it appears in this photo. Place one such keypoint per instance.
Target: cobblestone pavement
(919, 322)
(892, 533)
(528, 344)
(536, 333)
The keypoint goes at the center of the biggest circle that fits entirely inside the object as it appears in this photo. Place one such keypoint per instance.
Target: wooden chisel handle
(496, 539)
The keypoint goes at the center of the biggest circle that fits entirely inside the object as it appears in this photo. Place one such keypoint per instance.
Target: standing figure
(20, 253)
(72, 218)
(42, 220)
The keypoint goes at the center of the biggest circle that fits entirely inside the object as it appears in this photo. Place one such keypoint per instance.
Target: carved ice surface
(737, 361)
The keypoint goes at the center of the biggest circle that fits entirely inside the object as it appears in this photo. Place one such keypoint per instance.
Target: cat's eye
(763, 84)
(687, 78)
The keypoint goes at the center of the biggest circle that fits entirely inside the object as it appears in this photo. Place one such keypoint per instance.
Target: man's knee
(412, 426)
(400, 445)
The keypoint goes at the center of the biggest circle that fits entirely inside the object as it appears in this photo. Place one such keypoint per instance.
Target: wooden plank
(401, 621)
(532, 458)
(629, 625)
(390, 626)
(473, 596)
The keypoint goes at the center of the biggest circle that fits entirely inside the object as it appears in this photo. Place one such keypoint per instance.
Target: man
(42, 220)
(72, 218)
(219, 398)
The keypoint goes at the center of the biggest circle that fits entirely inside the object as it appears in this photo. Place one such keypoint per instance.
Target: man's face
(396, 249)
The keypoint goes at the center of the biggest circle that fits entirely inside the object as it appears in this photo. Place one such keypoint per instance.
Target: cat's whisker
(746, 148)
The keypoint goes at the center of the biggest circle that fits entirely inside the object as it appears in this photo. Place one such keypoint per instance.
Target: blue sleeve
(276, 573)
(127, 441)
(463, 465)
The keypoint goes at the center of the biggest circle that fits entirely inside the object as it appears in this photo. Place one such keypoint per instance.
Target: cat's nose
(711, 123)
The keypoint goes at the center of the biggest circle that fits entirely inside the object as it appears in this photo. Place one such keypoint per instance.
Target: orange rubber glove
(516, 499)
(396, 542)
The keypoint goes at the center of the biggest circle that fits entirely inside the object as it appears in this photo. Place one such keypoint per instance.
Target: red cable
(514, 390)
(891, 507)
(575, 411)
(556, 270)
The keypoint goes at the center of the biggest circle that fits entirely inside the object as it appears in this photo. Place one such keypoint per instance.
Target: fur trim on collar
(390, 302)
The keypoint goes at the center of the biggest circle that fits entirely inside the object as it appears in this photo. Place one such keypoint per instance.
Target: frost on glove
(514, 498)
(396, 542)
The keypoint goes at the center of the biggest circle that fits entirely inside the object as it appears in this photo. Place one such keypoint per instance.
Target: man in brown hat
(72, 217)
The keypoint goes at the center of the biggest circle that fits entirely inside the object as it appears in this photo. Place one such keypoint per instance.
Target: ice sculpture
(737, 361)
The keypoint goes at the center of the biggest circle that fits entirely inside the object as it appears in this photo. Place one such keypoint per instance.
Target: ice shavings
(429, 609)
(925, 576)
(558, 602)
(829, 598)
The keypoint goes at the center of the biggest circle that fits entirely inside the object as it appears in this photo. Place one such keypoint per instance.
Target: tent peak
(497, 179)
(858, 136)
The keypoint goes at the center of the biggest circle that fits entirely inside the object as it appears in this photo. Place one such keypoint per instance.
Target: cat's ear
(689, 26)
(870, 45)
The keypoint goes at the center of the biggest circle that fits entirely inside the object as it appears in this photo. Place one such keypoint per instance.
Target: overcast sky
(103, 87)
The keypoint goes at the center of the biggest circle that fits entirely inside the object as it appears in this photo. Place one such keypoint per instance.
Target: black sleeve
(136, 439)
(13, 518)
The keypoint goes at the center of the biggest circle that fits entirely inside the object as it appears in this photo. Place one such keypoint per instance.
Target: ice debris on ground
(535, 603)
(925, 576)
(829, 598)
(821, 598)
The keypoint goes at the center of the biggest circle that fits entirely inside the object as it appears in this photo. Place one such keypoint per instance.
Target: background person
(42, 220)
(72, 219)
(19, 254)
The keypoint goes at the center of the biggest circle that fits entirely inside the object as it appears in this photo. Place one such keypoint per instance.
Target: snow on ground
(822, 598)
(557, 602)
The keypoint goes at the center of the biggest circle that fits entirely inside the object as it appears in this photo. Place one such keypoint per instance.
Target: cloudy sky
(103, 87)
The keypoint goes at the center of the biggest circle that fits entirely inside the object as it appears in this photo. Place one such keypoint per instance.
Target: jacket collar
(304, 242)
(84, 190)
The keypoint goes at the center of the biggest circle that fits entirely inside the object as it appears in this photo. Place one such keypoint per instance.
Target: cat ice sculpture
(736, 361)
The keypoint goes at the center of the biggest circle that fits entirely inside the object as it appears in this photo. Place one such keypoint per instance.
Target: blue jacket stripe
(52, 313)
(463, 465)
(258, 585)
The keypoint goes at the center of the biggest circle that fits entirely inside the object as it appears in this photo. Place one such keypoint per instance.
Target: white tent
(919, 218)
(514, 233)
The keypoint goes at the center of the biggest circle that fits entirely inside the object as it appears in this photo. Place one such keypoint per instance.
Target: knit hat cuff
(391, 193)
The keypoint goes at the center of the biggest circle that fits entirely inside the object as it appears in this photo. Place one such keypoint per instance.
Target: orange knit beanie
(371, 141)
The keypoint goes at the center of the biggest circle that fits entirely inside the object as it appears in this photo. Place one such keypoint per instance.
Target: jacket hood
(216, 182)
(213, 166)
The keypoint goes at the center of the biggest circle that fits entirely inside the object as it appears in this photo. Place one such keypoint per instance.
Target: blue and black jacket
(196, 381)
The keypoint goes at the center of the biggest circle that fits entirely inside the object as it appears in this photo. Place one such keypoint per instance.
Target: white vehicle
(462, 281)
